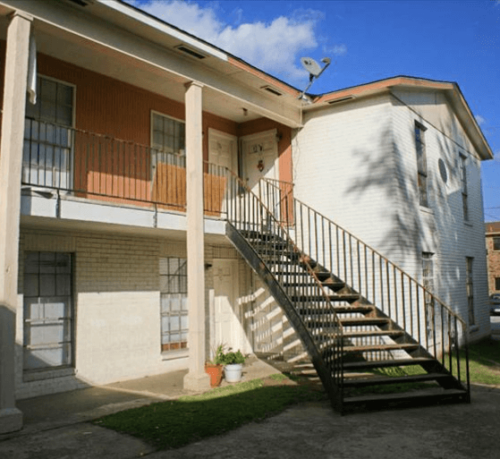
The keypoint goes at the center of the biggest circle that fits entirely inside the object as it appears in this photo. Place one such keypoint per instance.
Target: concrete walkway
(56, 427)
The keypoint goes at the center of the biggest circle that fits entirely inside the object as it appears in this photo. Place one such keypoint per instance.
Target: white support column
(196, 379)
(11, 155)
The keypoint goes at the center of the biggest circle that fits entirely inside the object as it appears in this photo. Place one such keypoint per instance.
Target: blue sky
(366, 40)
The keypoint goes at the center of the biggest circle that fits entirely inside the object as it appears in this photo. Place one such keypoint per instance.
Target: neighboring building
(493, 254)
(115, 261)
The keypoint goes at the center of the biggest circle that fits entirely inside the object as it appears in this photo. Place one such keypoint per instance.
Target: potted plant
(215, 366)
(233, 365)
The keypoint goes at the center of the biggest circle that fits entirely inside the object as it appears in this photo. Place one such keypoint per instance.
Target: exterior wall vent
(272, 90)
(190, 51)
(82, 2)
(339, 101)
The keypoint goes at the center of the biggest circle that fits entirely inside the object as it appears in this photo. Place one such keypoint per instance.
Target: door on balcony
(48, 136)
(222, 155)
(260, 160)
(260, 157)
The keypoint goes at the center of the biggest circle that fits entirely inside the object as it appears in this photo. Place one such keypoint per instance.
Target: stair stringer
(259, 266)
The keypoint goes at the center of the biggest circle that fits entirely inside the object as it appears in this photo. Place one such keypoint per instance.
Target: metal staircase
(375, 336)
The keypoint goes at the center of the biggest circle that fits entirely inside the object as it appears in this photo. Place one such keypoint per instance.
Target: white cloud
(496, 156)
(480, 120)
(272, 46)
(337, 50)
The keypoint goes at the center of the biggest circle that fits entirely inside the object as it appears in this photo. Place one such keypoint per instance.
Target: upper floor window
(463, 186)
(168, 134)
(496, 243)
(421, 164)
(47, 153)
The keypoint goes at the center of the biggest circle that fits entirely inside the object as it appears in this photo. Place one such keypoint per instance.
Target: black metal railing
(420, 313)
(285, 266)
(101, 167)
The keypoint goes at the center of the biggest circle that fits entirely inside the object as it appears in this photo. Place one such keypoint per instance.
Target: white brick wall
(356, 164)
(117, 307)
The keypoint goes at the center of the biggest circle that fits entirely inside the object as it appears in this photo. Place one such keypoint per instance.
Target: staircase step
(319, 298)
(310, 281)
(362, 309)
(327, 329)
(358, 321)
(382, 347)
(384, 380)
(416, 396)
(329, 309)
(369, 365)
(366, 334)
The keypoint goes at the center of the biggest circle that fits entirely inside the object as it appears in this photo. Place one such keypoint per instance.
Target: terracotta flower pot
(215, 372)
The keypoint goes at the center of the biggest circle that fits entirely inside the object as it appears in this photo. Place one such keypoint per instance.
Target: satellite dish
(311, 66)
(314, 70)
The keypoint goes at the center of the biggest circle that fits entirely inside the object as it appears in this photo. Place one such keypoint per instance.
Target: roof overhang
(119, 30)
(451, 90)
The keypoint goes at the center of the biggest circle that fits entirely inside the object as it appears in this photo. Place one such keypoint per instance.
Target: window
(463, 178)
(496, 243)
(497, 283)
(428, 282)
(167, 138)
(421, 164)
(47, 153)
(174, 304)
(48, 310)
(470, 288)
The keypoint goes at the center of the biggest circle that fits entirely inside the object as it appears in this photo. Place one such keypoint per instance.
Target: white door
(260, 160)
(222, 155)
(226, 312)
(260, 157)
(222, 149)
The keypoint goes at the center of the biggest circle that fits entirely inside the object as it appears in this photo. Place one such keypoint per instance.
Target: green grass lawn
(176, 423)
(484, 362)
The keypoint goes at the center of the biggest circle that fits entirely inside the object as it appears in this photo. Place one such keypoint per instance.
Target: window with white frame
(168, 140)
(463, 186)
(469, 285)
(47, 152)
(497, 283)
(48, 310)
(421, 164)
(173, 303)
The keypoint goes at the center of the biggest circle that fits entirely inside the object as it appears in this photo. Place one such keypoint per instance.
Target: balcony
(73, 174)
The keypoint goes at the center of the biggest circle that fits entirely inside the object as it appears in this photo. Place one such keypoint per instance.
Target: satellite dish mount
(314, 70)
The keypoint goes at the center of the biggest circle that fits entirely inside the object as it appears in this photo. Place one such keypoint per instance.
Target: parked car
(495, 304)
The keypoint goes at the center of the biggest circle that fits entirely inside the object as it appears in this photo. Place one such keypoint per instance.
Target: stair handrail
(235, 189)
(429, 299)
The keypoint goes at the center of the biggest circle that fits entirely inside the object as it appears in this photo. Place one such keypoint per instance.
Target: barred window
(48, 311)
(174, 303)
